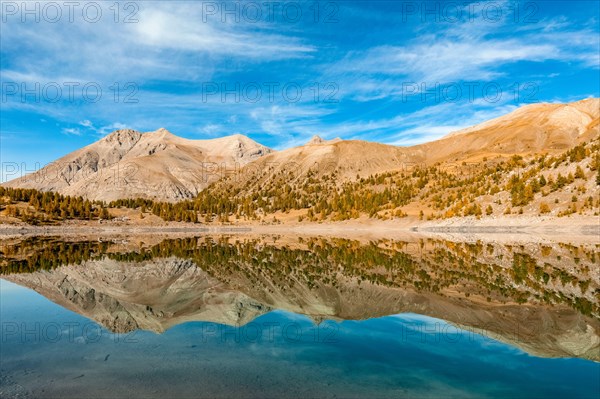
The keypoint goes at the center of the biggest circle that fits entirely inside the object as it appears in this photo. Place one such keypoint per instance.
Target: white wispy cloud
(72, 131)
(170, 41)
(413, 127)
(170, 44)
(477, 51)
(170, 52)
(98, 131)
(210, 129)
(181, 27)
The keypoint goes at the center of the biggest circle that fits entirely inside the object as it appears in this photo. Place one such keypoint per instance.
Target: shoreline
(522, 228)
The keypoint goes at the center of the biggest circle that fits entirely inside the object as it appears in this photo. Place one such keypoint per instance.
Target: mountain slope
(531, 130)
(154, 165)
(159, 165)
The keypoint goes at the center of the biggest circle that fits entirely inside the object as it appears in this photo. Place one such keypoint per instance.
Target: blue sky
(396, 72)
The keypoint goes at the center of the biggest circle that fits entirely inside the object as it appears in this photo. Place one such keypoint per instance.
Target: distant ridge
(533, 129)
(159, 165)
(153, 165)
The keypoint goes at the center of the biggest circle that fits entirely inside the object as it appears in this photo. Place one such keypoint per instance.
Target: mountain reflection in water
(542, 299)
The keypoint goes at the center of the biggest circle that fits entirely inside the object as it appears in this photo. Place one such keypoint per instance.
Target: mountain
(159, 165)
(531, 130)
(346, 158)
(153, 165)
(575, 116)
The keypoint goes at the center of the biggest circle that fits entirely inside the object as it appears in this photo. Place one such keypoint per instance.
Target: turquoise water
(49, 351)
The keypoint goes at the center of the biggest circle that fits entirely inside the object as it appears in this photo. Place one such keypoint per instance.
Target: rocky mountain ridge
(161, 166)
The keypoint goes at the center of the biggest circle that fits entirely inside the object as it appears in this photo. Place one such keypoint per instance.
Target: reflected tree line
(493, 273)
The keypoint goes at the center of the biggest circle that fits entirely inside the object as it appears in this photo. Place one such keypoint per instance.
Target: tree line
(382, 195)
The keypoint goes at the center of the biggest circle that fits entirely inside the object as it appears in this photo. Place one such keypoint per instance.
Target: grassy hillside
(558, 185)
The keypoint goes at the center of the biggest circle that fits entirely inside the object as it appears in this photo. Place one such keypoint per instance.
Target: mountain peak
(243, 148)
(546, 117)
(316, 139)
(121, 136)
(161, 133)
(165, 165)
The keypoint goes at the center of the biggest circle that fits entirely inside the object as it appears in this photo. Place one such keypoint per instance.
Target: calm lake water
(260, 318)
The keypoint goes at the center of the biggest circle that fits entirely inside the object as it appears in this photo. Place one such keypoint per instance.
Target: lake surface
(297, 317)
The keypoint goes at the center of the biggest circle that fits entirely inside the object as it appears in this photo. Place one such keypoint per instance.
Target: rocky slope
(531, 130)
(159, 165)
(154, 165)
